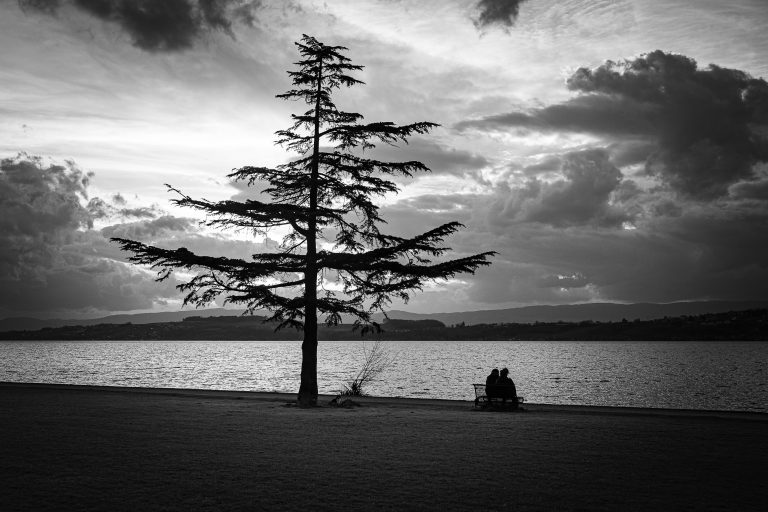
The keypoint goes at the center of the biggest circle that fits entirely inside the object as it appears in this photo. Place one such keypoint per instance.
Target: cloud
(581, 197)
(502, 13)
(698, 253)
(100, 209)
(440, 159)
(631, 151)
(46, 6)
(591, 235)
(149, 230)
(546, 166)
(159, 26)
(588, 191)
(39, 209)
(755, 189)
(666, 209)
(693, 256)
(525, 283)
(50, 259)
(708, 127)
(82, 283)
(603, 115)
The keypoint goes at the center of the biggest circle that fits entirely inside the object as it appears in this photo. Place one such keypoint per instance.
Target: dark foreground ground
(112, 449)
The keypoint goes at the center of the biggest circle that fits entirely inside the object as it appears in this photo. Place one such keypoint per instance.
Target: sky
(608, 151)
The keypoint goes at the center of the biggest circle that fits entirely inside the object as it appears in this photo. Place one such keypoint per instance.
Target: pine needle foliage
(325, 198)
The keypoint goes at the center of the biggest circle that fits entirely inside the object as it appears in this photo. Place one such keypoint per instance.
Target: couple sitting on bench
(500, 386)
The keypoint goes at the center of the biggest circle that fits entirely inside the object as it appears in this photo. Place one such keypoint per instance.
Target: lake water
(678, 375)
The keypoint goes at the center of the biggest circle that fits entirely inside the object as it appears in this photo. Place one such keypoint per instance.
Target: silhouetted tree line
(749, 325)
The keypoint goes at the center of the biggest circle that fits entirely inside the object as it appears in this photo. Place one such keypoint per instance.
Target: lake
(678, 375)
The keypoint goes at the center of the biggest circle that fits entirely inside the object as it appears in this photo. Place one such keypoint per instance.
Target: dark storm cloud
(581, 197)
(81, 283)
(50, 261)
(46, 6)
(603, 115)
(709, 125)
(157, 26)
(548, 165)
(693, 255)
(629, 152)
(589, 192)
(696, 253)
(39, 208)
(670, 249)
(756, 189)
(524, 283)
(667, 208)
(501, 13)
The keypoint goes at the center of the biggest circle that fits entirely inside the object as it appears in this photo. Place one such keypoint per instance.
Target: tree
(325, 199)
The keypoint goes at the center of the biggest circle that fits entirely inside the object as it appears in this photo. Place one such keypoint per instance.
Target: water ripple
(683, 375)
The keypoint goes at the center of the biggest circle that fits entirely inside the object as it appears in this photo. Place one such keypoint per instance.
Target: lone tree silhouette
(324, 198)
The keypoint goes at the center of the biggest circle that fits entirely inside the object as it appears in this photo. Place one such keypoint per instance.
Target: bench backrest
(479, 390)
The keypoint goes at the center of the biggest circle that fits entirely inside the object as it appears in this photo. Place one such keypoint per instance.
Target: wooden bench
(495, 402)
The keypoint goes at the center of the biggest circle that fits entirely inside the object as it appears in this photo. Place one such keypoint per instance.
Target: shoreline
(101, 448)
(324, 399)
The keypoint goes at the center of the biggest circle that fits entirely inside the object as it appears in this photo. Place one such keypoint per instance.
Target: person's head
(495, 371)
(504, 372)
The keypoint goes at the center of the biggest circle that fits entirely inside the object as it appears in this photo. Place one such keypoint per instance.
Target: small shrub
(376, 360)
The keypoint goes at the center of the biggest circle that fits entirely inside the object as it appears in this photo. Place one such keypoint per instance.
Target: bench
(495, 402)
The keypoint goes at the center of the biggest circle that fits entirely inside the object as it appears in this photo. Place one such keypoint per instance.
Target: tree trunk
(308, 387)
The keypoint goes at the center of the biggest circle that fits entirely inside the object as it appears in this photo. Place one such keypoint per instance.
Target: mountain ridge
(598, 312)
(747, 325)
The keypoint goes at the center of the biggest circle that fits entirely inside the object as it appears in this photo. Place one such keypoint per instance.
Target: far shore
(105, 448)
(747, 325)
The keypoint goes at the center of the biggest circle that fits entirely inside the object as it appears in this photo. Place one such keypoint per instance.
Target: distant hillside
(750, 325)
(598, 312)
(26, 323)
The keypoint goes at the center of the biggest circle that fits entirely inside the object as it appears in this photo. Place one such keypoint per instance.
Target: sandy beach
(100, 448)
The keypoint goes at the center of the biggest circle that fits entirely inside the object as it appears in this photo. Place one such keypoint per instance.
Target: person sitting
(490, 383)
(505, 388)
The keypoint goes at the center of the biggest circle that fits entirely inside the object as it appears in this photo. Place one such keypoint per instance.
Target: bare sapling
(377, 359)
